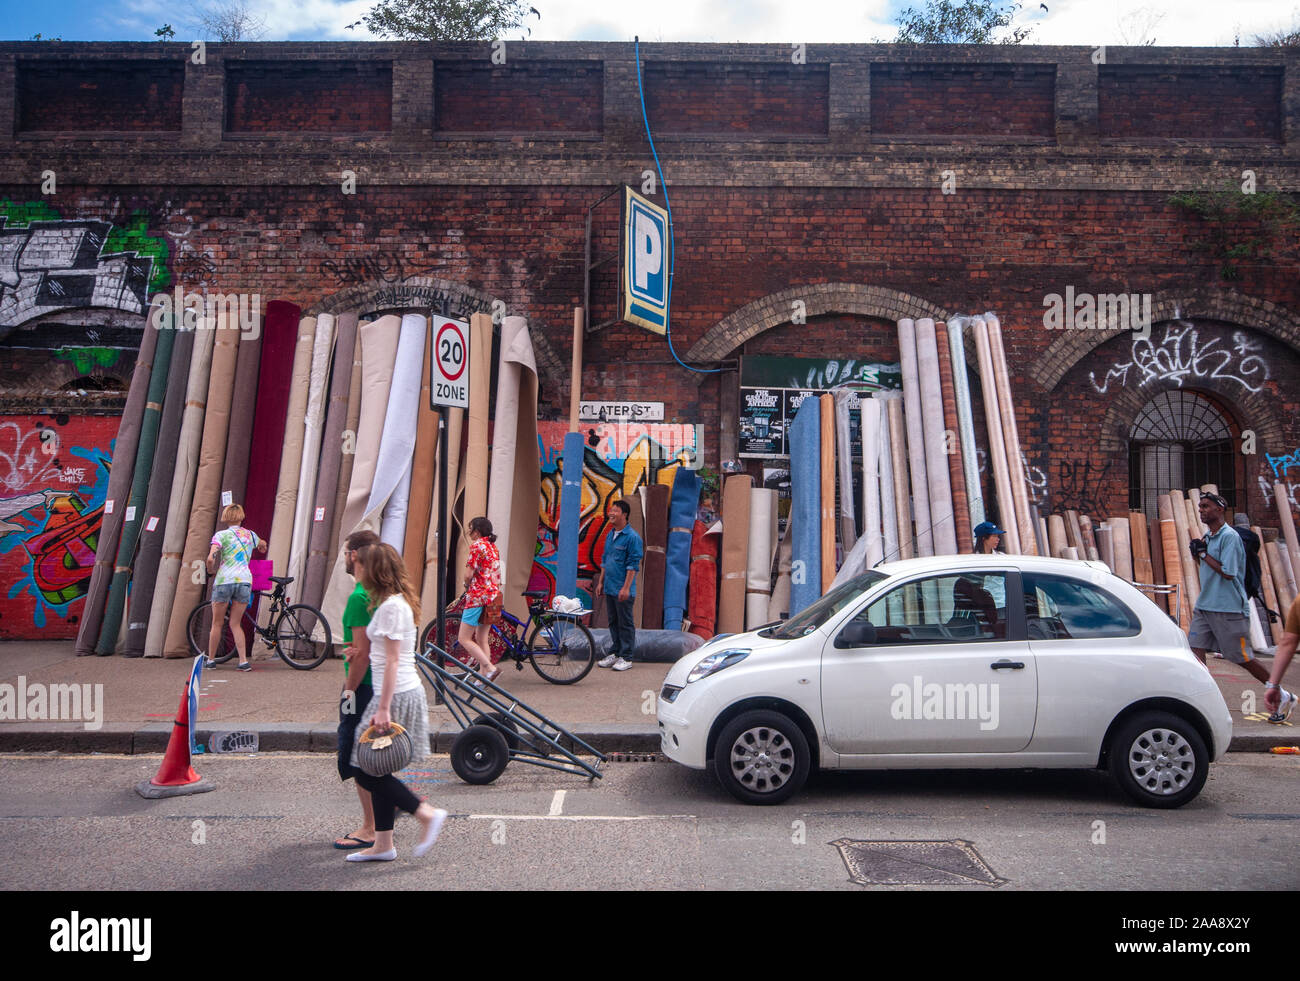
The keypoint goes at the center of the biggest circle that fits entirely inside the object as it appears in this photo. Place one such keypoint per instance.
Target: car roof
(957, 563)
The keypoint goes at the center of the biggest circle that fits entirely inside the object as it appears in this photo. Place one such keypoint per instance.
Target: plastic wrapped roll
(805, 509)
(762, 550)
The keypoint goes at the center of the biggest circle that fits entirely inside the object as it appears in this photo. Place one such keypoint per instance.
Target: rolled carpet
(845, 403)
(913, 420)
(322, 356)
(953, 445)
(827, 572)
(473, 499)
(655, 562)
(653, 646)
(779, 606)
(429, 596)
(805, 507)
(570, 521)
(274, 377)
(119, 487)
(874, 548)
(888, 510)
(684, 502)
(762, 551)
(703, 588)
(736, 490)
(423, 477)
(404, 412)
(239, 437)
(937, 467)
(636, 519)
(348, 448)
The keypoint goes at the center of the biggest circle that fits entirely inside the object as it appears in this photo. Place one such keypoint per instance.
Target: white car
(980, 661)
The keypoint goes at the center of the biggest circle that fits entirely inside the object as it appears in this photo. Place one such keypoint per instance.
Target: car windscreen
(811, 617)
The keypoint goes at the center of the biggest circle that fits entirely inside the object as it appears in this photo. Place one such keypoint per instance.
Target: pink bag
(262, 570)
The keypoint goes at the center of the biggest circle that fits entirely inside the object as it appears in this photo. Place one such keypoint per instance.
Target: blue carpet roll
(566, 560)
(681, 520)
(805, 505)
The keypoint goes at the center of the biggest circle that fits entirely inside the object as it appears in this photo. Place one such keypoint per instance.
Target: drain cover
(915, 863)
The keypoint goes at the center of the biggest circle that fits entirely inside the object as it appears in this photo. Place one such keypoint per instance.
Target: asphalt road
(76, 823)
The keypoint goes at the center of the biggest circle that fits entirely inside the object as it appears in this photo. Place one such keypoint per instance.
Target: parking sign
(645, 263)
(449, 380)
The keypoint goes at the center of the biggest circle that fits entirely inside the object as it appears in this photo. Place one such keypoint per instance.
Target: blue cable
(672, 243)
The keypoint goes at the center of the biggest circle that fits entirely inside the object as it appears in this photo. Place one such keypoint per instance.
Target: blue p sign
(645, 263)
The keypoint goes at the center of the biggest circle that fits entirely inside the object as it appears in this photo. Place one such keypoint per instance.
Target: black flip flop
(353, 838)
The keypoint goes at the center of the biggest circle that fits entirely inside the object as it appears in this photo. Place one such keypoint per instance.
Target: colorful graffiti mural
(620, 457)
(53, 480)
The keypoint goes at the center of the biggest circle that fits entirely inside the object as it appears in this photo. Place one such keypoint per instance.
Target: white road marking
(557, 803)
(577, 817)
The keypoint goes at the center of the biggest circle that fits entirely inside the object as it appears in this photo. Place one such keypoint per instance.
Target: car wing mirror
(858, 633)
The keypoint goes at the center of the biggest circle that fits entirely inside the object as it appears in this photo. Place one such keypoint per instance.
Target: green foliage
(445, 20)
(1239, 226)
(961, 22)
(164, 33)
(135, 238)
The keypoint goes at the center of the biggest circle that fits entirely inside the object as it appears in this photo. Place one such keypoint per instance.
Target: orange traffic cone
(176, 777)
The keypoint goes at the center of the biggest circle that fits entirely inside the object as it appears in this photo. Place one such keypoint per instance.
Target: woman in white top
(399, 697)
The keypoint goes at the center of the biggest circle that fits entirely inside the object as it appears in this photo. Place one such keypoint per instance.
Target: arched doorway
(1180, 439)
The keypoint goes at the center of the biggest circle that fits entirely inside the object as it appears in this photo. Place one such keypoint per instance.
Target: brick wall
(1164, 101)
(478, 97)
(131, 96)
(964, 100)
(694, 98)
(309, 97)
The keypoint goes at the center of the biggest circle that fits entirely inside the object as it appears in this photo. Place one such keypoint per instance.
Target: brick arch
(1070, 347)
(775, 309)
(1252, 410)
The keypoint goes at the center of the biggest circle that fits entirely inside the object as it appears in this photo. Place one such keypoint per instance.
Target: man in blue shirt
(1221, 619)
(619, 565)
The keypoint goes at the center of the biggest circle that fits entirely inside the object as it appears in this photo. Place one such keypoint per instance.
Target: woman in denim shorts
(233, 584)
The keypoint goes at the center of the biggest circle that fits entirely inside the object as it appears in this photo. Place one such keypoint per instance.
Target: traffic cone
(176, 777)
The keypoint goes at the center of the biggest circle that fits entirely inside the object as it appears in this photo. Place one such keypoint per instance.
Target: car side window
(1061, 608)
(938, 609)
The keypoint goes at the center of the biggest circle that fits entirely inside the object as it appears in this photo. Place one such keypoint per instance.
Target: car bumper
(681, 741)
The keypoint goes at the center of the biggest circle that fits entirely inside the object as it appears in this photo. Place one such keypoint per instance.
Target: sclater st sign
(449, 380)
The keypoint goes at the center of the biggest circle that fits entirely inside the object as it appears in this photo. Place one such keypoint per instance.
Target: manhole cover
(915, 863)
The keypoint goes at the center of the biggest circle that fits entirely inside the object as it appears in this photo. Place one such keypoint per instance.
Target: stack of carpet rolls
(318, 426)
(1156, 553)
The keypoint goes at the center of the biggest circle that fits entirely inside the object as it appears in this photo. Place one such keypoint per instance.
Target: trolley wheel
(303, 637)
(509, 731)
(479, 754)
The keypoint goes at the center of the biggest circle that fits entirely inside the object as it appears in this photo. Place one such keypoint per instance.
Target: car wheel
(761, 757)
(1159, 759)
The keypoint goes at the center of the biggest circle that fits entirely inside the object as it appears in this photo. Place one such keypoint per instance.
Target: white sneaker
(607, 662)
(621, 664)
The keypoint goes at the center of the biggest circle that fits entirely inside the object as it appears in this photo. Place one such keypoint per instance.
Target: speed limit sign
(449, 380)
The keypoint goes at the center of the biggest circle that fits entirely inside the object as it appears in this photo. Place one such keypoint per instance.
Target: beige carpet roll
(1191, 575)
(1267, 589)
(322, 356)
(1056, 536)
(1106, 545)
(902, 499)
(736, 491)
(429, 591)
(473, 500)
(762, 550)
(424, 478)
(349, 450)
(1123, 544)
(997, 445)
(1141, 543)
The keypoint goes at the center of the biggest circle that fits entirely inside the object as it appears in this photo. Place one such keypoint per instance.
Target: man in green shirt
(357, 690)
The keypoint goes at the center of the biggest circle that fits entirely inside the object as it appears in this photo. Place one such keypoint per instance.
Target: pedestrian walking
(1280, 702)
(399, 698)
(232, 587)
(1221, 617)
(358, 688)
(620, 563)
(482, 593)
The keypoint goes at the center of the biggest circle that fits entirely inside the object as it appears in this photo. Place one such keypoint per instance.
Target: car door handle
(1009, 665)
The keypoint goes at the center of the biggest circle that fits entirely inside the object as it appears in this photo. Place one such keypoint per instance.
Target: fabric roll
(378, 352)
(516, 477)
(827, 473)
(965, 420)
(898, 469)
(1011, 436)
(805, 508)
(398, 446)
(1173, 565)
(913, 420)
(779, 607)
(239, 437)
(845, 403)
(149, 556)
(997, 444)
(885, 462)
(1106, 545)
(762, 550)
(1155, 549)
(938, 486)
(424, 476)
(473, 499)
(1141, 544)
(134, 517)
(1122, 539)
(348, 449)
(1191, 580)
(683, 503)
(181, 494)
(1267, 589)
(431, 591)
(656, 559)
(207, 485)
(953, 445)
(119, 488)
(870, 428)
(1073, 529)
(274, 377)
(570, 521)
(330, 463)
(280, 536)
(736, 491)
(1056, 534)
(322, 357)
(703, 587)
(1089, 539)
(636, 518)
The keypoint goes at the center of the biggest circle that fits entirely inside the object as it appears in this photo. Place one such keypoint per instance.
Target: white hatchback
(981, 661)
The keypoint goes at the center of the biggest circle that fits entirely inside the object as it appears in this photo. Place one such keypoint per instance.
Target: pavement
(297, 711)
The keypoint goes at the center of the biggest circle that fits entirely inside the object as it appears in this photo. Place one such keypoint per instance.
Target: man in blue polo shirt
(619, 565)
(1221, 619)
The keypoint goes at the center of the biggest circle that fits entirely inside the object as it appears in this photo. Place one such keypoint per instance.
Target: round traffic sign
(450, 351)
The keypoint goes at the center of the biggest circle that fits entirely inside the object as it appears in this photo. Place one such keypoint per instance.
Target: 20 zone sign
(450, 383)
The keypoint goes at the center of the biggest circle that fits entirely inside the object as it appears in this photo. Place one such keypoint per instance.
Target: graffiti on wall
(1078, 486)
(619, 459)
(49, 264)
(53, 480)
(1184, 355)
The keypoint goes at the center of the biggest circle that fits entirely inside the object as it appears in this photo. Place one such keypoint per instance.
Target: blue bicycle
(558, 645)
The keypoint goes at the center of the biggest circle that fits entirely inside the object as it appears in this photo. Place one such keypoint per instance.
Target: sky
(1090, 22)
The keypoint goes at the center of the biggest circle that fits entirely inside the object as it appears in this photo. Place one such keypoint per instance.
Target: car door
(948, 671)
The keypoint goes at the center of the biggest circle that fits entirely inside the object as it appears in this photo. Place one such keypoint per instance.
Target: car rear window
(1061, 608)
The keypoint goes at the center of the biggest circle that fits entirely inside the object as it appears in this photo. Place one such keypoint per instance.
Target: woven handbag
(381, 755)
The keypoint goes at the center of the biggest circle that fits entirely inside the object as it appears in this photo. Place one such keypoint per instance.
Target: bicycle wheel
(561, 650)
(302, 637)
(452, 660)
(199, 633)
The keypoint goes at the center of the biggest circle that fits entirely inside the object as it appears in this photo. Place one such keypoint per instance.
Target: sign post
(448, 387)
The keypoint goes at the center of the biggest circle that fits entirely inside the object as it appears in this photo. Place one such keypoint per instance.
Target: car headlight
(714, 663)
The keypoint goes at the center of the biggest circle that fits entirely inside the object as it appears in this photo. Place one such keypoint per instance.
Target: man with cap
(1221, 618)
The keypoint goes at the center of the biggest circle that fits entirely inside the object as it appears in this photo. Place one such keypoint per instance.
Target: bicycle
(299, 633)
(559, 647)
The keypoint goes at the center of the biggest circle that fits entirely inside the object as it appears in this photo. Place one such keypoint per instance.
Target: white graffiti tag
(1181, 356)
(22, 462)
